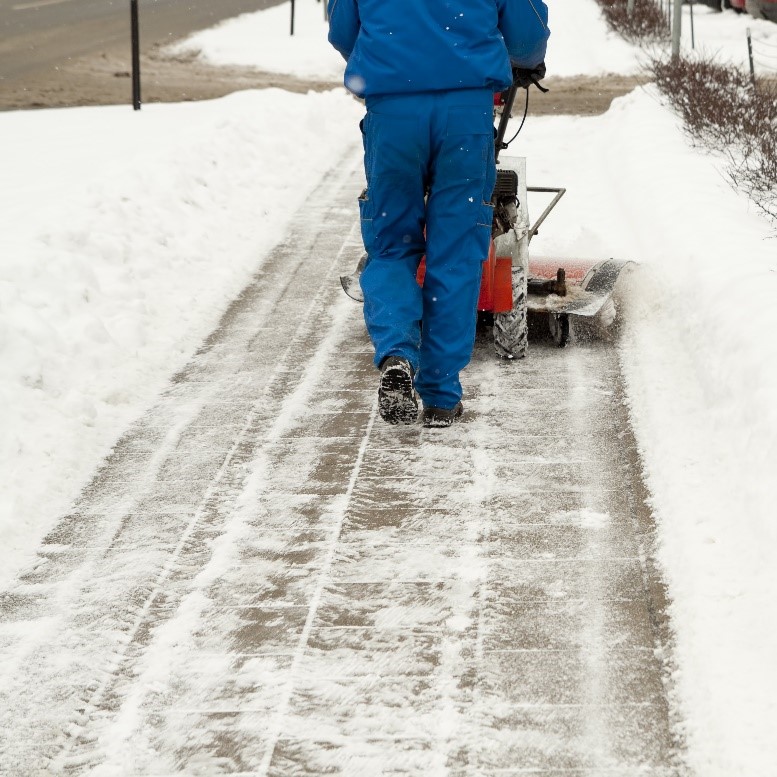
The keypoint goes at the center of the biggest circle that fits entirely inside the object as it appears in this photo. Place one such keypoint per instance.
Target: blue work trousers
(429, 161)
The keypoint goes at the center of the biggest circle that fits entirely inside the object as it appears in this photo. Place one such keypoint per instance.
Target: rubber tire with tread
(511, 331)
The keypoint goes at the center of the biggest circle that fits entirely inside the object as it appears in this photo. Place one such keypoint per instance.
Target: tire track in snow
(302, 645)
(178, 629)
(97, 698)
(322, 212)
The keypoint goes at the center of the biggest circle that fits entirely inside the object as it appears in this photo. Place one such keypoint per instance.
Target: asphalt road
(38, 36)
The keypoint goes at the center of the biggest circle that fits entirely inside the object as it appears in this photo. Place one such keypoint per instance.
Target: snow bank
(698, 361)
(126, 236)
(262, 41)
(724, 36)
(581, 44)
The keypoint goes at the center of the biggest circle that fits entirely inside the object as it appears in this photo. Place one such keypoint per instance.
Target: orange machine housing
(496, 282)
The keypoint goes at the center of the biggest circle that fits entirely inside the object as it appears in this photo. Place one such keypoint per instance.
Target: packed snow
(127, 234)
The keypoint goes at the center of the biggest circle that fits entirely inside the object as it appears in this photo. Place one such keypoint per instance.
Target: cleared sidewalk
(264, 579)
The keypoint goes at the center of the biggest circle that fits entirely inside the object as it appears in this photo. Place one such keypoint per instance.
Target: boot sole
(396, 398)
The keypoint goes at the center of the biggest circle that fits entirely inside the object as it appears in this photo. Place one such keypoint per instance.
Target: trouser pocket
(367, 226)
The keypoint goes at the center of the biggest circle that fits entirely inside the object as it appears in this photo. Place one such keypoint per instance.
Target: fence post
(750, 55)
(135, 34)
(677, 26)
(292, 18)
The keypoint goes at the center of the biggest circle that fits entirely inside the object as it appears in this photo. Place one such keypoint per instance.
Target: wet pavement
(264, 579)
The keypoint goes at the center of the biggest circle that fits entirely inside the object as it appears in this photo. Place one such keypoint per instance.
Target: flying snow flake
(355, 84)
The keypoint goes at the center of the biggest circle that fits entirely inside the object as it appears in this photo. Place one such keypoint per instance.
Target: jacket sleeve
(344, 25)
(524, 27)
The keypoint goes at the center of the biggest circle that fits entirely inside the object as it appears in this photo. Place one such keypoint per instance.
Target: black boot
(439, 418)
(397, 402)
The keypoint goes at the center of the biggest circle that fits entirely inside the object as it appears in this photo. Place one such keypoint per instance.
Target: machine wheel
(559, 328)
(511, 333)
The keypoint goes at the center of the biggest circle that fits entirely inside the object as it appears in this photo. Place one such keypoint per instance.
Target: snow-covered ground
(700, 384)
(125, 235)
(724, 36)
(235, 42)
(262, 41)
(580, 42)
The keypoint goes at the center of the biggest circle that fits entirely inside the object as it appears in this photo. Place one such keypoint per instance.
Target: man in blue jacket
(428, 70)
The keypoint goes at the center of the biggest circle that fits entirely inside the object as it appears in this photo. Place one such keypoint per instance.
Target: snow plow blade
(589, 285)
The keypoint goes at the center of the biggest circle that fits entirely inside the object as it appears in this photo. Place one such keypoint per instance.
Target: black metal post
(135, 24)
(693, 33)
(750, 56)
(292, 18)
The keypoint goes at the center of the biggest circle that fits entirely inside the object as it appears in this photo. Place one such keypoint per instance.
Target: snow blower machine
(515, 288)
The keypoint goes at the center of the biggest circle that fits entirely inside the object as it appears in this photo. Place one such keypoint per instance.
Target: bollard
(135, 34)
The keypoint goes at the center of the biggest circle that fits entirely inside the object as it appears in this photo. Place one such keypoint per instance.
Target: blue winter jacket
(408, 46)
